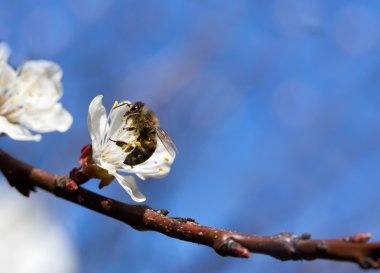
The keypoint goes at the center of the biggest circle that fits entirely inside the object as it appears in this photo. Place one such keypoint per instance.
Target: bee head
(136, 107)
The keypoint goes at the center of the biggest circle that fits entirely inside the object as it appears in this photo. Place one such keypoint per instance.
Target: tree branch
(284, 246)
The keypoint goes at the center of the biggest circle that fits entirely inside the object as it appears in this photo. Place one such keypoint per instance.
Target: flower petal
(97, 125)
(40, 83)
(116, 117)
(43, 68)
(8, 77)
(15, 131)
(129, 184)
(4, 52)
(48, 119)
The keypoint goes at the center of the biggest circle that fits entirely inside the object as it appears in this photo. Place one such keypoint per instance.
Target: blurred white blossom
(29, 98)
(110, 157)
(32, 240)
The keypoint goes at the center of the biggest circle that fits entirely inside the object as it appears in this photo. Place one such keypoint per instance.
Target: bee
(146, 124)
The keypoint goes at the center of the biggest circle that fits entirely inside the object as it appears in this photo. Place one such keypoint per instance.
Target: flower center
(17, 98)
(9, 109)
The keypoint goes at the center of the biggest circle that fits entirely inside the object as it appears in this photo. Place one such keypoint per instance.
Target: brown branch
(283, 246)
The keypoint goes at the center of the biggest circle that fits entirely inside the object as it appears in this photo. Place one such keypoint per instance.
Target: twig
(284, 246)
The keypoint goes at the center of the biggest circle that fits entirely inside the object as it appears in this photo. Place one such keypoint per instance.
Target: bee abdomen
(142, 152)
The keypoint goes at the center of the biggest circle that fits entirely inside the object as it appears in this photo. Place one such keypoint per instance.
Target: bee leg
(113, 140)
(128, 115)
(122, 104)
(129, 148)
(118, 142)
(130, 128)
(126, 147)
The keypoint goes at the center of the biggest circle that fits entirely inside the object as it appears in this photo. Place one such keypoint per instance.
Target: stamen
(25, 74)
(28, 107)
(35, 84)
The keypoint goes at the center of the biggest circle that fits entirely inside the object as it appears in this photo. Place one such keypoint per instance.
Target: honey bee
(145, 123)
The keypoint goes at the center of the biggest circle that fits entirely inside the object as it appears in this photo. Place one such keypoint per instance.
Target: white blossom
(29, 98)
(107, 155)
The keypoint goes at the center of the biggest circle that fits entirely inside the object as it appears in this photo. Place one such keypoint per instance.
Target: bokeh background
(274, 106)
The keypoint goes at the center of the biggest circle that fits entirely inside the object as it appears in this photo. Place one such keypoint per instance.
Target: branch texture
(284, 246)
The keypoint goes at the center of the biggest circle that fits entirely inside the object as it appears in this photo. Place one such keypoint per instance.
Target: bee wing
(166, 140)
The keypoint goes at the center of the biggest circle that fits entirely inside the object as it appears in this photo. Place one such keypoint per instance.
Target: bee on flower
(29, 98)
(127, 141)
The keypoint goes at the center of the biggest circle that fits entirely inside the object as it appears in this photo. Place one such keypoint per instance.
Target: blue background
(274, 106)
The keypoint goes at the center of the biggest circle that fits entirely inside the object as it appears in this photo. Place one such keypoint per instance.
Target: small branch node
(358, 238)
(60, 181)
(322, 247)
(80, 199)
(106, 204)
(64, 183)
(289, 242)
(229, 247)
(185, 220)
(163, 212)
(368, 263)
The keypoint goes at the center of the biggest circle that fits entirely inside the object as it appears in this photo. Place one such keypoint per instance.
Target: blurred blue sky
(274, 106)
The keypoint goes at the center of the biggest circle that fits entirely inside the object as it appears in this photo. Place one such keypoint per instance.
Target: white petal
(117, 119)
(16, 131)
(49, 119)
(97, 125)
(43, 68)
(8, 77)
(40, 83)
(105, 165)
(129, 184)
(4, 52)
